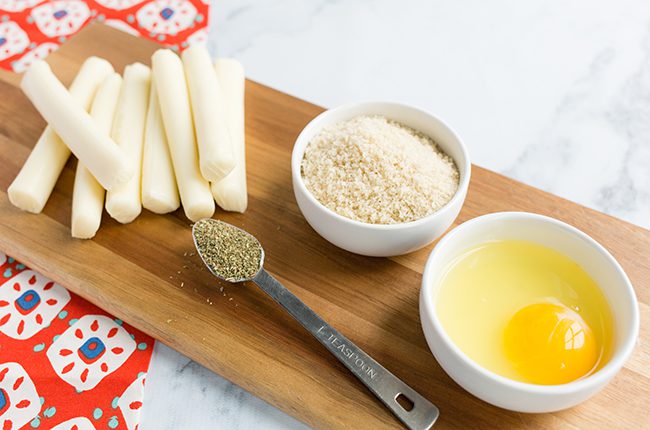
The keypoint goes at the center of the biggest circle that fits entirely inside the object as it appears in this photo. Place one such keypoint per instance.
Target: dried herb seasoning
(229, 252)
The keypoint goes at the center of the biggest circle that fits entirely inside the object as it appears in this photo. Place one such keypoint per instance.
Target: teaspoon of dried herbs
(229, 252)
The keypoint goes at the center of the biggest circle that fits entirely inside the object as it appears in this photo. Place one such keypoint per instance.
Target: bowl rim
(600, 377)
(301, 142)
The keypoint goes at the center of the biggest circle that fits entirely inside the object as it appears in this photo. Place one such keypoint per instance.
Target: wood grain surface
(146, 274)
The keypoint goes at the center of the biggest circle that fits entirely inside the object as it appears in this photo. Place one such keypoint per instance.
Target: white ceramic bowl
(593, 258)
(378, 240)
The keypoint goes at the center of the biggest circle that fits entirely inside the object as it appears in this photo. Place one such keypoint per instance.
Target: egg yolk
(550, 344)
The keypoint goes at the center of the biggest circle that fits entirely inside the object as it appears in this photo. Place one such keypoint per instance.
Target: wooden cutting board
(145, 273)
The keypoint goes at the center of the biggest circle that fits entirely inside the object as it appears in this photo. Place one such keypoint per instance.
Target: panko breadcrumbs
(375, 170)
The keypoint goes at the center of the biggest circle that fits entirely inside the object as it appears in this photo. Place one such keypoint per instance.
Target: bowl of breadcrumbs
(379, 179)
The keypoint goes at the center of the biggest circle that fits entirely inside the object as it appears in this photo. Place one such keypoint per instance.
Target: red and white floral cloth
(32, 29)
(64, 363)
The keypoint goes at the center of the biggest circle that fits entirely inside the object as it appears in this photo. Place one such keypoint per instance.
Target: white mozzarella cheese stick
(88, 194)
(123, 202)
(230, 192)
(177, 116)
(32, 187)
(159, 190)
(216, 156)
(96, 150)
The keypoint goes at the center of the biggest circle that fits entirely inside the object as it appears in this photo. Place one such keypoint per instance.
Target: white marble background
(553, 93)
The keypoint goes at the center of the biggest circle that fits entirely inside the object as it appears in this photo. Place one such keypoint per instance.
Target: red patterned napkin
(32, 29)
(64, 363)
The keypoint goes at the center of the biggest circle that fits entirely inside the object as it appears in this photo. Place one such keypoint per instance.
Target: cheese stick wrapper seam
(174, 102)
(88, 194)
(216, 156)
(96, 150)
(159, 190)
(124, 202)
(231, 192)
(33, 185)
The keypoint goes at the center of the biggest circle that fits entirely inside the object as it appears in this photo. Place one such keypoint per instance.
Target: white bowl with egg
(590, 255)
(381, 240)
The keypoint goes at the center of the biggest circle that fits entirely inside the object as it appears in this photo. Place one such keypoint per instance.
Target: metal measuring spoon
(217, 254)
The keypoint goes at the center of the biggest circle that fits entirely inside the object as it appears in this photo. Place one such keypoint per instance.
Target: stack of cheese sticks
(155, 138)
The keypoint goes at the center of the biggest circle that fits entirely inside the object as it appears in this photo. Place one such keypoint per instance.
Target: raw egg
(549, 343)
(526, 312)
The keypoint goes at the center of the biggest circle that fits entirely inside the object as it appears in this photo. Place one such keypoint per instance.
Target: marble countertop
(555, 94)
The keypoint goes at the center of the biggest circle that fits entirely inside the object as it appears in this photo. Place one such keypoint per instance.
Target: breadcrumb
(378, 171)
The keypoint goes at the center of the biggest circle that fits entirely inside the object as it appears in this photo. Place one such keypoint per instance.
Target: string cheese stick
(124, 203)
(216, 157)
(88, 194)
(159, 190)
(96, 150)
(31, 189)
(230, 193)
(177, 117)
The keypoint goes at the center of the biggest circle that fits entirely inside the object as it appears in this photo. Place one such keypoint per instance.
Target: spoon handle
(416, 412)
